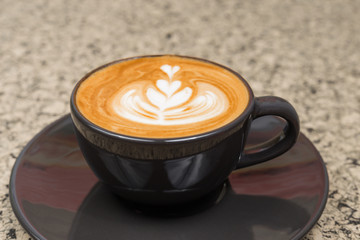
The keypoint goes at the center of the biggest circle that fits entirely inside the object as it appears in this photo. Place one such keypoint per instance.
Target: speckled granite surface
(304, 51)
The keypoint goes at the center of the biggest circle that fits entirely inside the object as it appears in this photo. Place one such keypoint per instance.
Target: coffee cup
(168, 129)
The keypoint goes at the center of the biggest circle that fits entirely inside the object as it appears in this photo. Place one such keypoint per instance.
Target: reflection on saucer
(55, 195)
(234, 214)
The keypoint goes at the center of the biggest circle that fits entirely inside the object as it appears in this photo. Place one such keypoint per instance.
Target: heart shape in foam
(169, 70)
(168, 87)
(170, 100)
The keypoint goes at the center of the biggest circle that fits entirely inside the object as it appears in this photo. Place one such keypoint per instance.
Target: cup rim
(233, 124)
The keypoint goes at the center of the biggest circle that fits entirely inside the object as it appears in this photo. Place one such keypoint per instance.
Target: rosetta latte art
(168, 102)
(161, 97)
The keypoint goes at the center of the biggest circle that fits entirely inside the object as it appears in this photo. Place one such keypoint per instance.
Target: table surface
(304, 51)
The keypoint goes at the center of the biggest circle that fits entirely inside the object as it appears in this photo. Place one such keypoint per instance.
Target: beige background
(305, 51)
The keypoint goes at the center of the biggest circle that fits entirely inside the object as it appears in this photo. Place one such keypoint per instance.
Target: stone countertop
(305, 51)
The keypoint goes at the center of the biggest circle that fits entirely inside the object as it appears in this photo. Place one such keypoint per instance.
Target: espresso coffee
(162, 97)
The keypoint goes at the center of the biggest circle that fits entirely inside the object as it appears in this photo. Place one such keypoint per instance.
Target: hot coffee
(162, 97)
(165, 130)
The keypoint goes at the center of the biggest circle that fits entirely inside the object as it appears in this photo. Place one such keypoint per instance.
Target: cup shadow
(220, 215)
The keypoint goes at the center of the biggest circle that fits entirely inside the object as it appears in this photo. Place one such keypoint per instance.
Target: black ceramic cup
(178, 170)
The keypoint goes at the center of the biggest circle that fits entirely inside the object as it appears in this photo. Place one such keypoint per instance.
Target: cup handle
(271, 105)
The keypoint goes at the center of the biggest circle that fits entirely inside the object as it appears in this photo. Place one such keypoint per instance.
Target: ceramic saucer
(55, 195)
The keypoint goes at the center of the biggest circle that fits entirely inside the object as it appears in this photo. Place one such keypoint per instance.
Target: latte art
(161, 97)
(168, 103)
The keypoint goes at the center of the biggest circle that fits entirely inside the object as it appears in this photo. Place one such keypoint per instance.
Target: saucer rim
(25, 223)
(306, 229)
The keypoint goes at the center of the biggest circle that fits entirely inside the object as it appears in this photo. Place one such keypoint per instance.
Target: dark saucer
(55, 195)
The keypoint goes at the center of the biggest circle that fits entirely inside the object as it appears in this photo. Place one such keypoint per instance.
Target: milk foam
(167, 103)
(162, 97)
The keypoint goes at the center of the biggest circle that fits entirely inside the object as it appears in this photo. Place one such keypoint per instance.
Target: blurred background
(304, 51)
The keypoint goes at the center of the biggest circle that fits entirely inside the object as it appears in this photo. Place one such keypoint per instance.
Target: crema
(162, 97)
